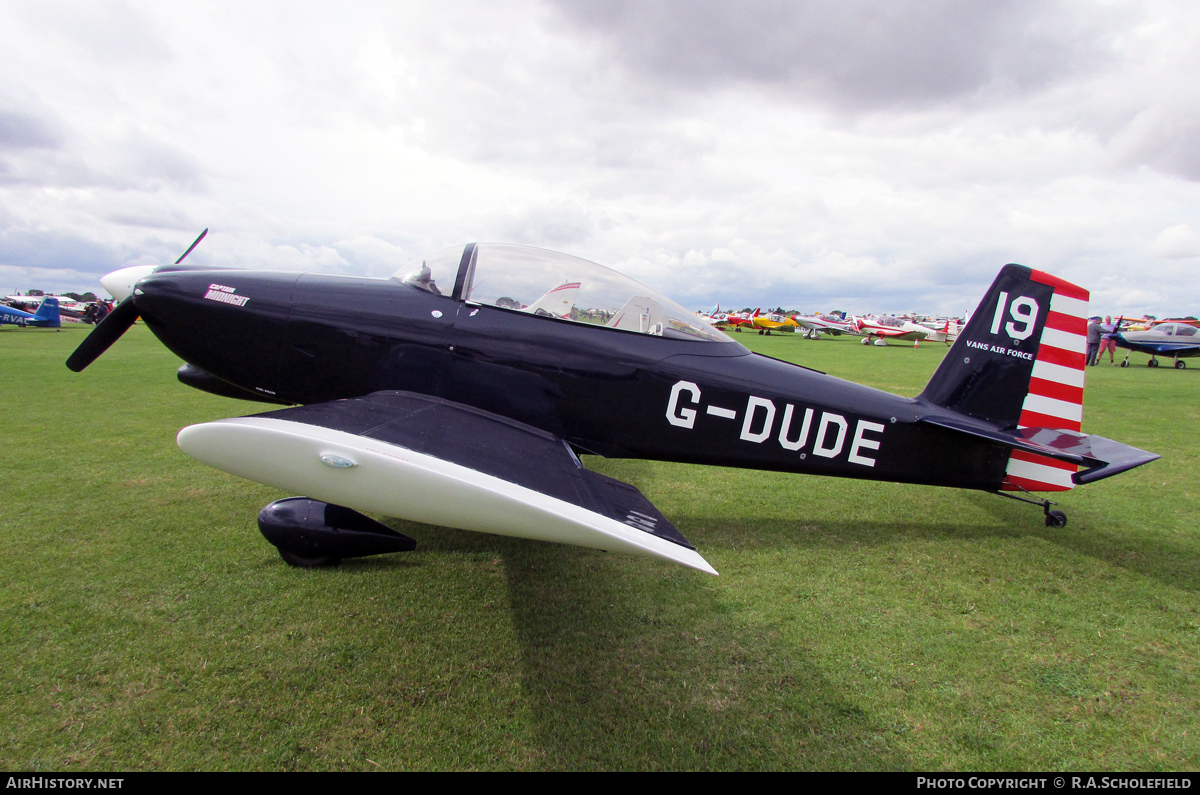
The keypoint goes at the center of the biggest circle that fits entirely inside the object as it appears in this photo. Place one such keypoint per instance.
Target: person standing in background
(1094, 332)
(1108, 341)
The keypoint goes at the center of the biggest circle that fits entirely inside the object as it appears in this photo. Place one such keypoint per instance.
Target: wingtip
(693, 560)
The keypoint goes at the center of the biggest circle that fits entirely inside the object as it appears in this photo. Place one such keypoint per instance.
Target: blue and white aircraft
(46, 315)
(1177, 340)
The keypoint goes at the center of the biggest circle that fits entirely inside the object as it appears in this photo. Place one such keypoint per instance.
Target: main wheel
(1152, 363)
(1180, 364)
(866, 340)
(301, 562)
(1125, 363)
(1056, 519)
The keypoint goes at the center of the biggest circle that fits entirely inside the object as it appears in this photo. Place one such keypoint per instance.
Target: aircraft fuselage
(312, 338)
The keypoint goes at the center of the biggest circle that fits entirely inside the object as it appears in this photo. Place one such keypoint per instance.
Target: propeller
(194, 244)
(110, 329)
(116, 323)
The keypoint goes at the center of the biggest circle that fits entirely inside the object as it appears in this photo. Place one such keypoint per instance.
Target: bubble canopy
(553, 286)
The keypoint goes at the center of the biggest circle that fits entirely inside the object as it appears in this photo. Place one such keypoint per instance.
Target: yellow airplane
(765, 323)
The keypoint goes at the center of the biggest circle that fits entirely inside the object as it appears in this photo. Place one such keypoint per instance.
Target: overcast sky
(856, 155)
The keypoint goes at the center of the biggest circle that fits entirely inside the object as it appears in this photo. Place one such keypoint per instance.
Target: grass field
(146, 625)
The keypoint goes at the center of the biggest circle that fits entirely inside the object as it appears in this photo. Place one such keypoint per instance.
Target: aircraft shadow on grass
(627, 679)
(617, 676)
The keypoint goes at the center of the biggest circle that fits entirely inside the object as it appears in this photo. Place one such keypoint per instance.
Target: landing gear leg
(1053, 518)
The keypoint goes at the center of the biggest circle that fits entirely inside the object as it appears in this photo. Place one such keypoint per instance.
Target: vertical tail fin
(1019, 363)
(558, 302)
(47, 313)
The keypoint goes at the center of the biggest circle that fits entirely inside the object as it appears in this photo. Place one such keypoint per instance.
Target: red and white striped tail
(1055, 397)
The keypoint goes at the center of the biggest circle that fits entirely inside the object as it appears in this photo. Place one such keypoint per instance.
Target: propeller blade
(116, 323)
(194, 244)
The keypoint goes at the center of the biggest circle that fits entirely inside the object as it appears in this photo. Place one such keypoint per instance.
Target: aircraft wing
(890, 333)
(435, 461)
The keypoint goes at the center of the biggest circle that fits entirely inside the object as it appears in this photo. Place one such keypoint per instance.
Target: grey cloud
(35, 153)
(558, 224)
(57, 250)
(149, 163)
(853, 55)
(24, 131)
(113, 32)
(1163, 140)
(28, 141)
(162, 218)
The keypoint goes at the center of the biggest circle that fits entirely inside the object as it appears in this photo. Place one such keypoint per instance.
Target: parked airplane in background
(67, 306)
(46, 316)
(1187, 321)
(944, 331)
(452, 409)
(772, 322)
(739, 320)
(557, 302)
(1177, 340)
(886, 328)
(815, 325)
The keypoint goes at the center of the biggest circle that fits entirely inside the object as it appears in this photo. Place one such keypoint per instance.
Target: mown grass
(145, 624)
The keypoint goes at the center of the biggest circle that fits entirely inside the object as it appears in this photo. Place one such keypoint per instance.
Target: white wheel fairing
(395, 481)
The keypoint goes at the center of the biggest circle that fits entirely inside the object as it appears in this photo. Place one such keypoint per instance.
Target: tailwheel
(1056, 519)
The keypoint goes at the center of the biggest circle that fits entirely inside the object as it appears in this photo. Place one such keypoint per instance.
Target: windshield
(433, 273)
(549, 284)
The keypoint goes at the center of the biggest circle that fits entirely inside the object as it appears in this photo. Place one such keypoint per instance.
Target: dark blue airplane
(447, 395)
(46, 315)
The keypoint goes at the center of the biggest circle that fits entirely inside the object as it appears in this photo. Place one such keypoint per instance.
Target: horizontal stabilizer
(434, 461)
(1113, 458)
(1100, 457)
